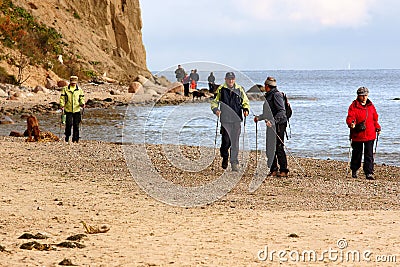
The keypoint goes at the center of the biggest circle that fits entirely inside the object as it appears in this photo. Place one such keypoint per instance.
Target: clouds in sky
(337, 13)
(287, 34)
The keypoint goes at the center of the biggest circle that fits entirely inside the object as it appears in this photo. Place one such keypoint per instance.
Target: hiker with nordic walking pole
(230, 105)
(72, 100)
(274, 114)
(362, 119)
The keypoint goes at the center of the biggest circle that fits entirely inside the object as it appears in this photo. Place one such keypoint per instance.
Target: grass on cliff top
(37, 44)
(20, 30)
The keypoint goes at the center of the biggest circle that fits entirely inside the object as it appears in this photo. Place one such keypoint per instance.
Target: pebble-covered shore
(312, 184)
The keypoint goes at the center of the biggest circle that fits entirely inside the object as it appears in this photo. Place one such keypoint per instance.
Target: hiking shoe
(224, 163)
(370, 176)
(283, 174)
(235, 167)
(273, 173)
(354, 174)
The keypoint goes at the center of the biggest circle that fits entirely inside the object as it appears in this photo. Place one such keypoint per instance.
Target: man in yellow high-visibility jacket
(72, 100)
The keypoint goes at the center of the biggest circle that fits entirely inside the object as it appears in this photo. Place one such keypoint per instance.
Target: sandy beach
(49, 188)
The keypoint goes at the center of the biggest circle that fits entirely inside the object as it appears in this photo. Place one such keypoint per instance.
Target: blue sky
(273, 34)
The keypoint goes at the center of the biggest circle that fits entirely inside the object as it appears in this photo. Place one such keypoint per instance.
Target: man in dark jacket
(229, 103)
(179, 73)
(274, 113)
(211, 82)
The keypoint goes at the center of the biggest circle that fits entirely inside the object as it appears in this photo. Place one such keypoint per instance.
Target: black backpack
(289, 113)
(288, 108)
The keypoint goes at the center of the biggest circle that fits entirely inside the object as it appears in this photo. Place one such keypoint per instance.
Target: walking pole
(244, 133)
(290, 153)
(256, 146)
(80, 123)
(351, 142)
(215, 139)
(62, 121)
(256, 142)
(215, 142)
(376, 143)
(348, 165)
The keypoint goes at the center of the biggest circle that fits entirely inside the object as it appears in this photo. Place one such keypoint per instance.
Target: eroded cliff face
(105, 35)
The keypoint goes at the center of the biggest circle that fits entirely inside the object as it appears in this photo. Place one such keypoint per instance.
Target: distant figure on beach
(362, 119)
(211, 82)
(179, 73)
(72, 100)
(229, 104)
(274, 103)
(185, 82)
(194, 78)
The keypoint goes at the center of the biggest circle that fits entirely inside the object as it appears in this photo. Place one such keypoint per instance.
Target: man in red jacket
(362, 120)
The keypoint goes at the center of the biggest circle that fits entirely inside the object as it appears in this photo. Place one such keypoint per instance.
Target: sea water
(319, 99)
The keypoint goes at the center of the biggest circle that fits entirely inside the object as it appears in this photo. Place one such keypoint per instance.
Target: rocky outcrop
(104, 35)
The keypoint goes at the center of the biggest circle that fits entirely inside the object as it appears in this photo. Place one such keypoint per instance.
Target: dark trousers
(211, 87)
(230, 140)
(186, 89)
(72, 121)
(280, 154)
(356, 156)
